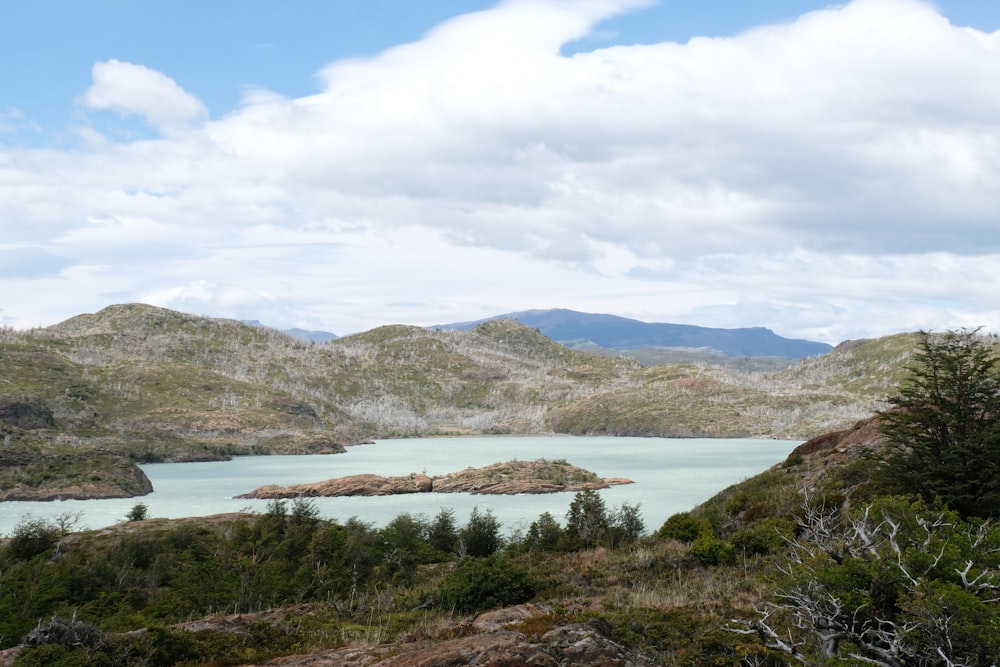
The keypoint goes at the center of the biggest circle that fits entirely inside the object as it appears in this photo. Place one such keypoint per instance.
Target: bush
(710, 550)
(764, 537)
(56, 655)
(684, 527)
(31, 538)
(139, 512)
(478, 584)
(900, 582)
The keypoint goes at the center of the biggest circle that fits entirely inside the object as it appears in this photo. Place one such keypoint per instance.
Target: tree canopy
(944, 427)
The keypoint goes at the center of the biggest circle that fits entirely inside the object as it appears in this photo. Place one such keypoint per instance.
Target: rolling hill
(157, 385)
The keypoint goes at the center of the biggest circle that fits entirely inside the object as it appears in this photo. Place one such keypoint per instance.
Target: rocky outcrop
(491, 640)
(829, 453)
(352, 485)
(511, 478)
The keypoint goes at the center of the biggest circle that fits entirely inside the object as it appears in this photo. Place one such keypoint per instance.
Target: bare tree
(893, 585)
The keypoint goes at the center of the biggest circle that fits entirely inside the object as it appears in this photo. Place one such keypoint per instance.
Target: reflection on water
(670, 476)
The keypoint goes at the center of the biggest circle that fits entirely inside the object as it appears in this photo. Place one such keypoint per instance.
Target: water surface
(670, 475)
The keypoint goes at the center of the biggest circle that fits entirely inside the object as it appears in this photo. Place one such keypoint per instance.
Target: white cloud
(835, 176)
(136, 89)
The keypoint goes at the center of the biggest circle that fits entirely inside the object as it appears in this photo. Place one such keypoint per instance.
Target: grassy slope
(141, 374)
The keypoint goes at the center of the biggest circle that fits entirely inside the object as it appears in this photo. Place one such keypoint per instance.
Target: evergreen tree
(544, 533)
(944, 429)
(587, 522)
(443, 533)
(481, 535)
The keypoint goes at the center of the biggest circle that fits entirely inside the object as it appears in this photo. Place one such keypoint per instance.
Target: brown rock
(832, 451)
(352, 485)
(8, 656)
(501, 618)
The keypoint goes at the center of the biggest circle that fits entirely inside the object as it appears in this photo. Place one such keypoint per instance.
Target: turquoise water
(670, 475)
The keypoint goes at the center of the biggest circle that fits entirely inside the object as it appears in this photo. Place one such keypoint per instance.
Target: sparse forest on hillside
(168, 386)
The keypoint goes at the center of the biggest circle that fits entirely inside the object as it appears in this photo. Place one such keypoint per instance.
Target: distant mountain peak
(576, 329)
(301, 334)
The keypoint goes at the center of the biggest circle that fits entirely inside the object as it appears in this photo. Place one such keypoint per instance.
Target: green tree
(627, 525)
(944, 429)
(480, 537)
(587, 522)
(543, 534)
(443, 533)
(405, 546)
(139, 512)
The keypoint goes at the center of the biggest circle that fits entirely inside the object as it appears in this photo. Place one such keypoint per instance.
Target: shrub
(710, 550)
(63, 642)
(56, 655)
(32, 537)
(139, 512)
(478, 584)
(684, 527)
(70, 633)
(793, 460)
(899, 583)
(764, 537)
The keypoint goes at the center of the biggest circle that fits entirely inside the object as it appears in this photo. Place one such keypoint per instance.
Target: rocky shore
(510, 478)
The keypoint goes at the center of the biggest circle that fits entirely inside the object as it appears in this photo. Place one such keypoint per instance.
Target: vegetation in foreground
(862, 548)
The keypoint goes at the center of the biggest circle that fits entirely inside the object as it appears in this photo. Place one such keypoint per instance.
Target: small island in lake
(510, 478)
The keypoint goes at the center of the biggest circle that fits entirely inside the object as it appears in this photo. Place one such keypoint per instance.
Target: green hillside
(156, 385)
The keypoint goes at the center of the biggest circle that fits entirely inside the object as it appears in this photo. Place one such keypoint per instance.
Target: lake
(670, 475)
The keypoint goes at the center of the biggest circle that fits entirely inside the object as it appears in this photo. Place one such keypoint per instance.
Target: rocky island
(510, 478)
(44, 473)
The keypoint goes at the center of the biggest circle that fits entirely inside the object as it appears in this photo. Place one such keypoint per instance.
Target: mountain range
(589, 330)
(601, 332)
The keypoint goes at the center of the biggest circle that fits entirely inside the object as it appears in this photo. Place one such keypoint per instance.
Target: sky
(828, 171)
